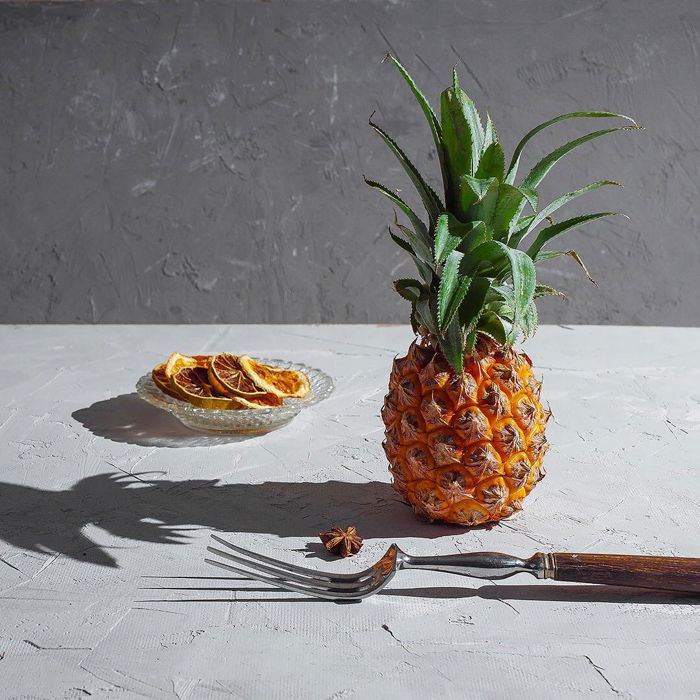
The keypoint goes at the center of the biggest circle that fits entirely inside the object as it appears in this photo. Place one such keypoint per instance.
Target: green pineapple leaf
(496, 328)
(462, 136)
(473, 278)
(544, 290)
(551, 254)
(470, 342)
(473, 303)
(472, 191)
(485, 208)
(424, 269)
(507, 210)
(442, 239)
(521, 226)
(469, 109)
(430, 200)
(492, 162)
(425, 315)
(501, 301)
(565, 199)
(531, 196)
(490, 135)
(546, 234)
(433, 121)
(453, 287)
(417, 224)
(452, 346)
(451, 234)
(420, 249)
(413, 319)
(473, 234)
(513, 167)
(530, 320)
(521, 270)
(541, 168)
(457, 298)
(477, 186)
(410, 289)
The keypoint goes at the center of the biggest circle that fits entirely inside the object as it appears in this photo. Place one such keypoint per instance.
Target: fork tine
(291, 567)
(280, 583)
(288, 575)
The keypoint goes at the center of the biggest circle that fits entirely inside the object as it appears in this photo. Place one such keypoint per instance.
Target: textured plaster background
(202, 161)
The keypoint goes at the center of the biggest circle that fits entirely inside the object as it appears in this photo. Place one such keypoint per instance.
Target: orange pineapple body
(464, 448)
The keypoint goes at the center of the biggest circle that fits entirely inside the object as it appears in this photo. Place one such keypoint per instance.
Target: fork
(666, 573)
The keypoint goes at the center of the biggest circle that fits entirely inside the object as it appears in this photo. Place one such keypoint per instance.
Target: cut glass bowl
(245, 420)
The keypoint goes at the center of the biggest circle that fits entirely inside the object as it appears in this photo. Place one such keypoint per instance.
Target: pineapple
(465, 425)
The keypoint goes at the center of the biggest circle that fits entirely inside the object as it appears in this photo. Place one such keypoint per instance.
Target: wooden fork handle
(666, 573)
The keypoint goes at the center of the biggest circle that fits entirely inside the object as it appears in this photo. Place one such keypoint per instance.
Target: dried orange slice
(160, 379)
(192, 385)
(285, 383)
(178, 361)
(264, 401)
(227, 376)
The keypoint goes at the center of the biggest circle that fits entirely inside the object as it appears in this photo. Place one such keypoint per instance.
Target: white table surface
(106, 504)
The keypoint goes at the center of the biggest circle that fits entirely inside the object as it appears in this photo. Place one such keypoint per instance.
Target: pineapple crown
(476, 254)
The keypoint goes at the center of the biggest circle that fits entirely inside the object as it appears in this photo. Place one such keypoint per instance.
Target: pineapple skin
(466, 448)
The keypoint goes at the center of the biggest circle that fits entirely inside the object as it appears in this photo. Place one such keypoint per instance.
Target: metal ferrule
(547, 565)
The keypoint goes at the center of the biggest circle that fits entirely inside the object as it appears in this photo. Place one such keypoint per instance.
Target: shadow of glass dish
(127, 418)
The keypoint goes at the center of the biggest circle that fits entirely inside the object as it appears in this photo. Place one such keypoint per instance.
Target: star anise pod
(343, 543)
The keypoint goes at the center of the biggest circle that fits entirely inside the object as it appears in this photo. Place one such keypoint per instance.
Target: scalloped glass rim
(245, 420)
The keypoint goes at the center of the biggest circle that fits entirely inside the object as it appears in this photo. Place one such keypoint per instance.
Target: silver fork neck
(478, 564)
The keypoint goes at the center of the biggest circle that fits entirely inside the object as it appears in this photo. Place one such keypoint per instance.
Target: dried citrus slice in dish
(178, 361)
(160, 379)
(262, 401)
(192, 385)
(285, 383)
(227, 376)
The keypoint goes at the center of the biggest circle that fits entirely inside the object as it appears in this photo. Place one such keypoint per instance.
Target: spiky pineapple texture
(464, 448)
(476, 254)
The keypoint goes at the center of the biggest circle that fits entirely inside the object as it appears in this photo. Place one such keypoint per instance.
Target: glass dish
(245, 420)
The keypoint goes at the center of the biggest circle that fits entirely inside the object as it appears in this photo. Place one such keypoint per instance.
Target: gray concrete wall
(202, 161)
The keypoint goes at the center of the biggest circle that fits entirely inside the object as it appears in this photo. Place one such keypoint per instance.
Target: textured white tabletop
(106, 504)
